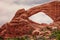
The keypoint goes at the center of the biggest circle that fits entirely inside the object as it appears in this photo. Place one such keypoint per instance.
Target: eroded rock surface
(21, 25)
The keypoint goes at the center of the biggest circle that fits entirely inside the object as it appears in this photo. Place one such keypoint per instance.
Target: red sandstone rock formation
(51, 9)
(21, 25)
(18, 26)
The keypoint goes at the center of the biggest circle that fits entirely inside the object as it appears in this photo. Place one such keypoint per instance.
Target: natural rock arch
(51, 9)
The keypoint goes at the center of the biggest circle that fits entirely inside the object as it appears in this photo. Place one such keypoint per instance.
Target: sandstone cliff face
(21, 25)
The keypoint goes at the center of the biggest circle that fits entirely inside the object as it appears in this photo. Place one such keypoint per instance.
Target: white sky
(8, 8)
(41, 17)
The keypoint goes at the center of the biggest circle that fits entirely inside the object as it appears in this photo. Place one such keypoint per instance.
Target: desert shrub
(56, 34)
(1, 38)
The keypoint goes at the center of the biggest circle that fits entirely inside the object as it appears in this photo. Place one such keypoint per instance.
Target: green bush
(56, 34)
(1, 38)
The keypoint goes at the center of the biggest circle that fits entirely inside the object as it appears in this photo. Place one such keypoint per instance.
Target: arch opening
(40, 18)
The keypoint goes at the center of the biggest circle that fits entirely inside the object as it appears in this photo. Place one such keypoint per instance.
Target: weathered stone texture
(21, 25)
